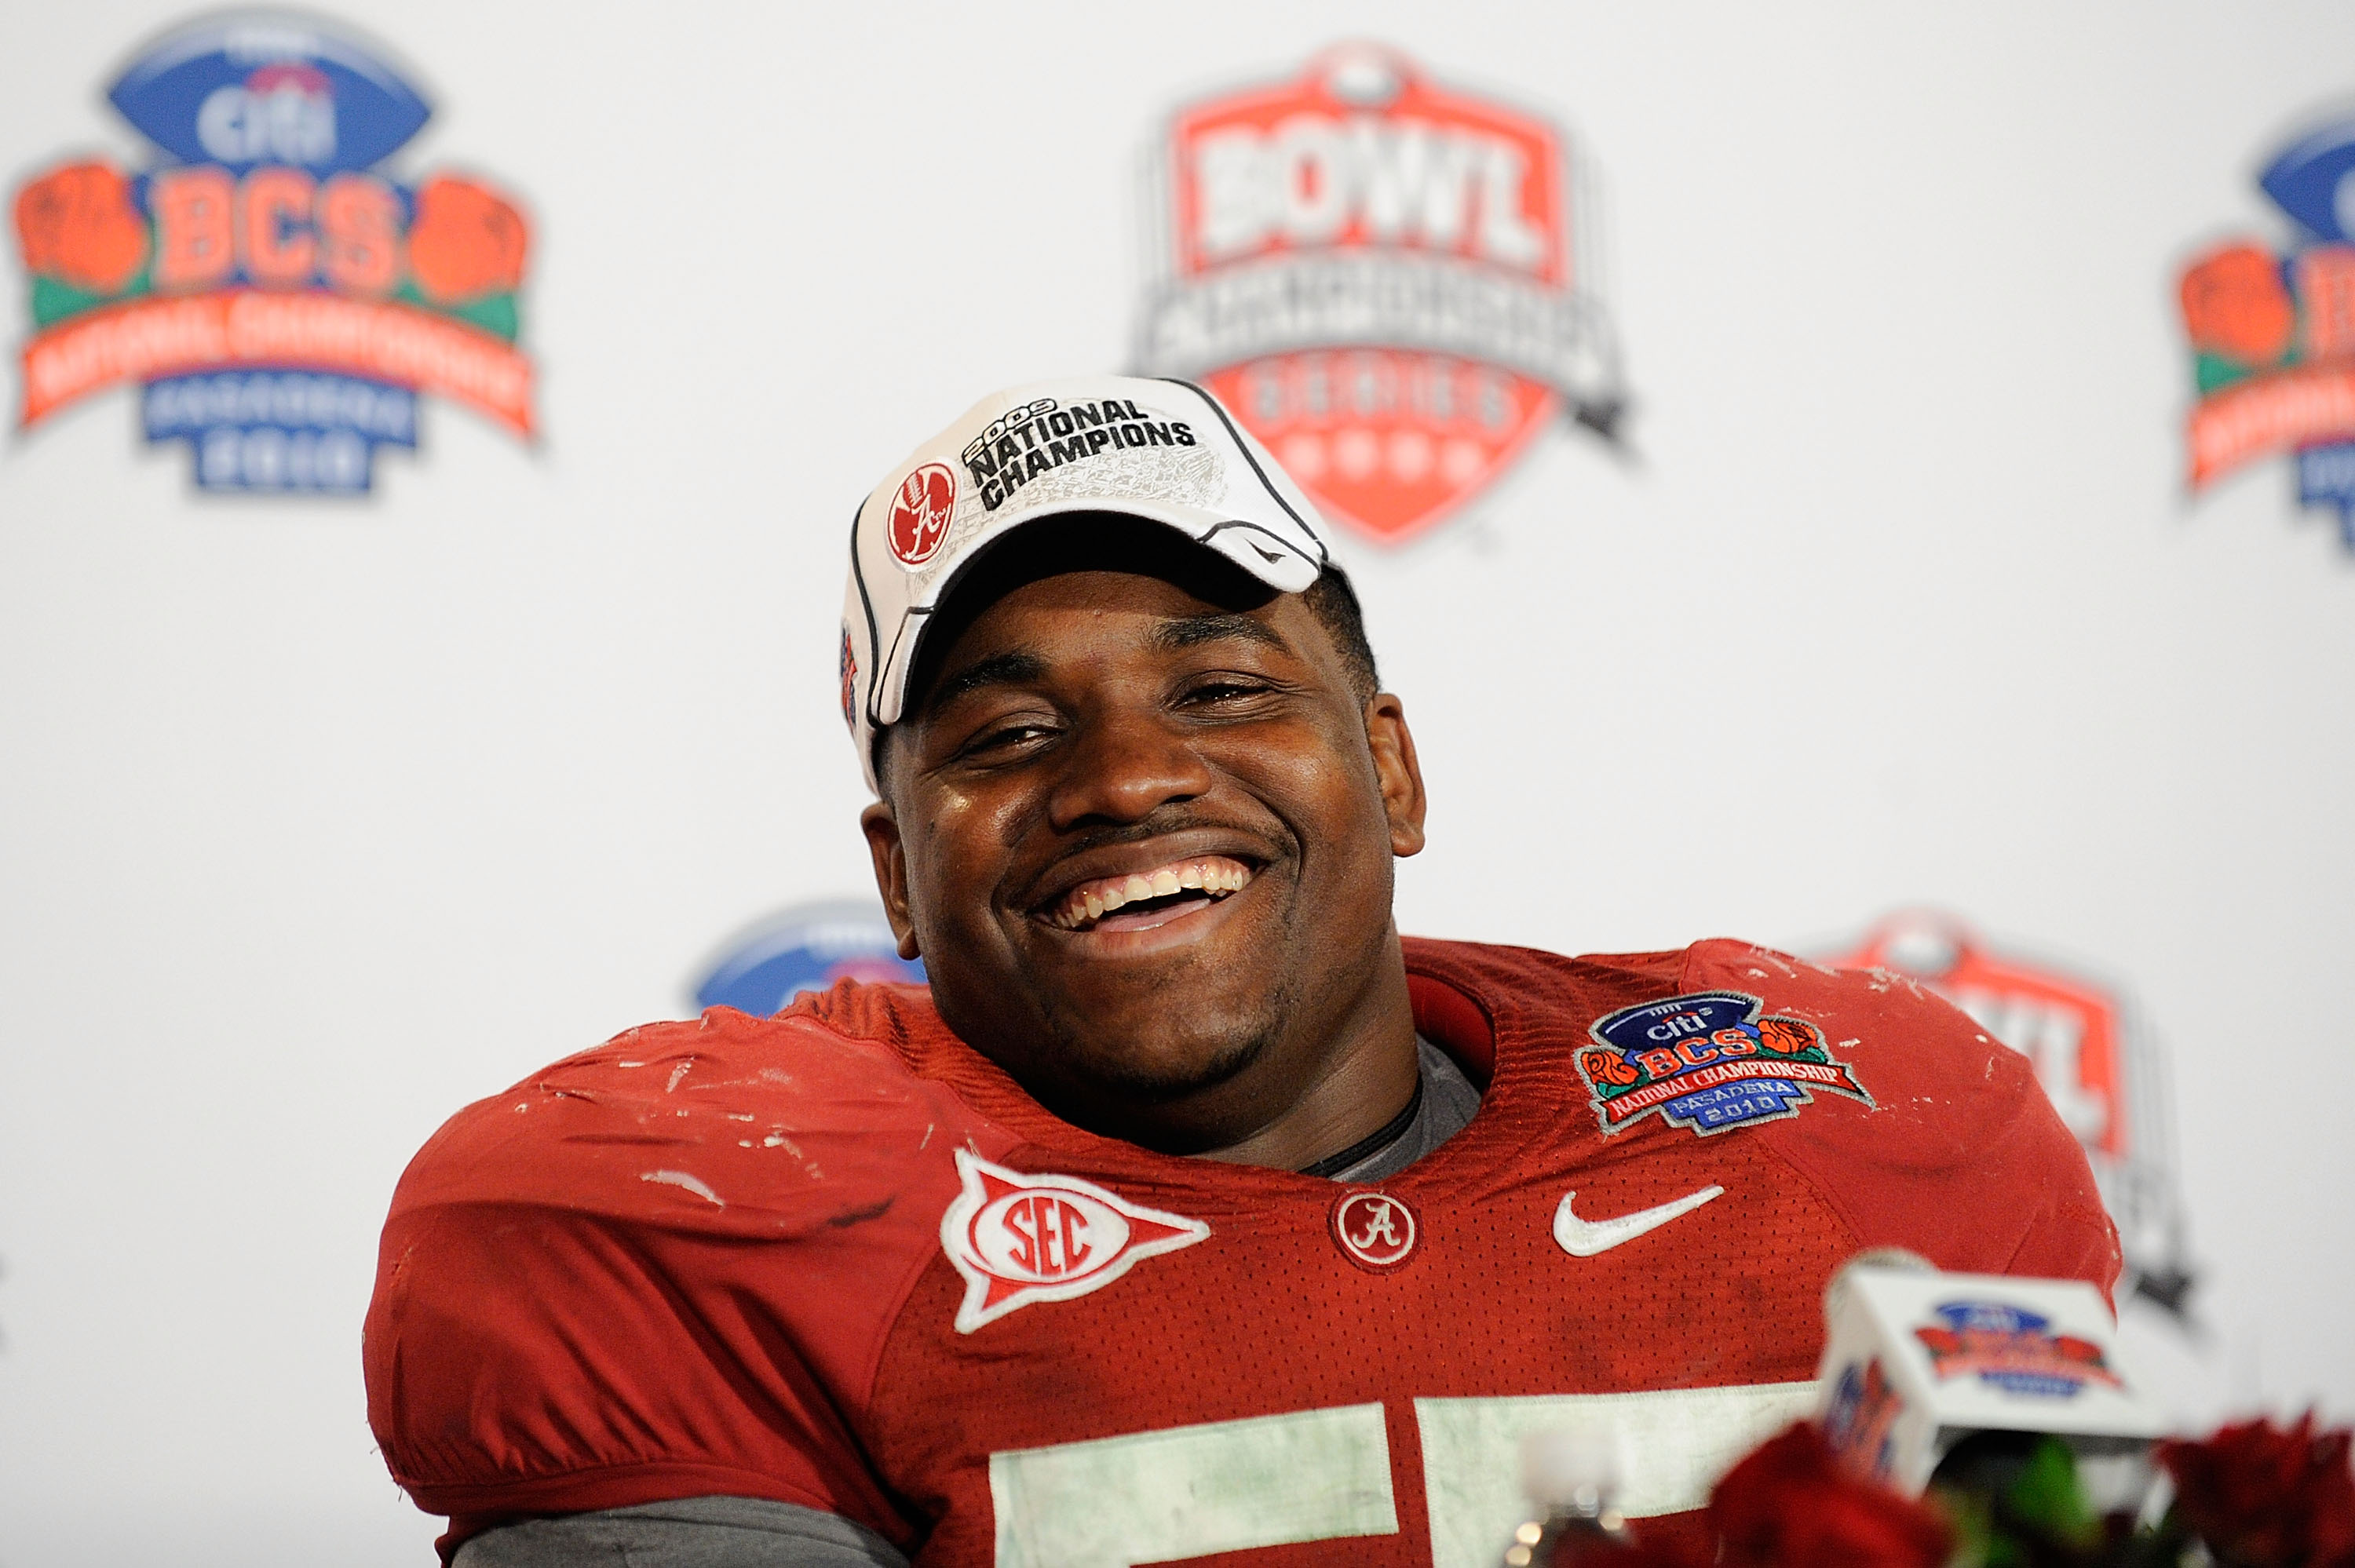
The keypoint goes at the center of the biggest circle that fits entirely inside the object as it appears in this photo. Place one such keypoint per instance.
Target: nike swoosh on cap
(1584, 1238)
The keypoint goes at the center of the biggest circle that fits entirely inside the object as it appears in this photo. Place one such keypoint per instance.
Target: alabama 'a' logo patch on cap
(1018, 1237)
(921, 511)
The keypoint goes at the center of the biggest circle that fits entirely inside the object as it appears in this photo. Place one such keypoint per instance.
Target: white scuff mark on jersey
(681, 1071)
(743, 1143)
(739, 1116)
(928, 1136)
(629, 1064)
(1852, 1040)
(523, 1108)
(693, 1184)
(777, 1076)
(777, 1139)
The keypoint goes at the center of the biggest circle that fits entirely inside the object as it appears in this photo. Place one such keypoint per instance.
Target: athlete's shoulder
(663, 1267)
(1493, 973)
(1919, 1045)
(749, 1123)
(1938, 1136)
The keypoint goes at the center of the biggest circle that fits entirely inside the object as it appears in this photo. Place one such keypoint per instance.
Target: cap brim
(1260, 550)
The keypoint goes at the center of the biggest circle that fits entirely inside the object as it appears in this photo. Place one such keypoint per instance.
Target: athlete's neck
(1366, 1080)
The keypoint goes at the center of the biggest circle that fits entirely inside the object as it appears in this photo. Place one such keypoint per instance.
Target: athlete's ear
(891, 873)
(1395, 768)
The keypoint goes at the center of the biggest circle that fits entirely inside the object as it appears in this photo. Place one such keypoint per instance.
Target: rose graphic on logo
(468, 241)
(2234, 305)
(77, 225)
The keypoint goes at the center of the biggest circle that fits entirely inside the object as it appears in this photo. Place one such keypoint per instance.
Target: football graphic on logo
(921, 513)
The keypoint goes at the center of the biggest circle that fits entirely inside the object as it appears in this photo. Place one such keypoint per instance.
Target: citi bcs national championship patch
(1018, 1238)
(1375, 273)
(1707, 1062)
(281, 299)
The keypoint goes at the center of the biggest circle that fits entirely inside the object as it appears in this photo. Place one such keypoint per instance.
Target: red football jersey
(837, 1258)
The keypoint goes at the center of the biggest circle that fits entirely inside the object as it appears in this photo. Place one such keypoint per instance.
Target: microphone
(1923, 1370)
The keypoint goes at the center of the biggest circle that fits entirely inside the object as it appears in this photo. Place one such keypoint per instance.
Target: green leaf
(495, 314)
(54, 300)
(2046, 1496)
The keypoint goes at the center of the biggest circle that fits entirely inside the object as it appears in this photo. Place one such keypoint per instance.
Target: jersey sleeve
(664, 1271)
(1957, 1156)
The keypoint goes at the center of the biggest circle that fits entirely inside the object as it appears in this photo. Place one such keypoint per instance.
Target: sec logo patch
(921, 513)
(1018, 1237)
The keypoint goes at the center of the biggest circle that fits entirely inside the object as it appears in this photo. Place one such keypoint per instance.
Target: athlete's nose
(1128, 764)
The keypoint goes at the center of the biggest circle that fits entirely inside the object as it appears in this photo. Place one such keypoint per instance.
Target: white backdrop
(318, 820)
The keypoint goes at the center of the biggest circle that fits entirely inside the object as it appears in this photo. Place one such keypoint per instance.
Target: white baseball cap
(1163, 451)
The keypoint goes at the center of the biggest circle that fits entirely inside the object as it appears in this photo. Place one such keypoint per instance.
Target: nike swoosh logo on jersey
(1584, 1238)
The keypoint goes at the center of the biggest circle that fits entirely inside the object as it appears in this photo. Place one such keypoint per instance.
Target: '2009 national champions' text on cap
(1163, 451)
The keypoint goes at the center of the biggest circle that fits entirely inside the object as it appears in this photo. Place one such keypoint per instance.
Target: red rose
(2264, 1498)
(1791, 1502)
(77, 225)
(467, 241)
(2234, 304)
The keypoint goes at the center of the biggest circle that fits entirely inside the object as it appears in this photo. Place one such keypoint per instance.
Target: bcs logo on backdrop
(1375, 274)
(2272, 332)
(280, 298)
(806, 947)
(2106, 1083)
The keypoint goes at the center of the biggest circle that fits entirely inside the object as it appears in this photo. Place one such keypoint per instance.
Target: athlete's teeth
(1215, 877)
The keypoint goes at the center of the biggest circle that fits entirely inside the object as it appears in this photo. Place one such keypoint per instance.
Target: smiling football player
(1190, 1212)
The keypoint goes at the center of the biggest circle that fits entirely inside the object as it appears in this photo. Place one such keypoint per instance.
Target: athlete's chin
(1160, 1045)
(1149, 1071)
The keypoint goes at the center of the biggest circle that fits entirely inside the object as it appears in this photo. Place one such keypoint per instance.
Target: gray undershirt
(1448, 1103)
(752, 1532)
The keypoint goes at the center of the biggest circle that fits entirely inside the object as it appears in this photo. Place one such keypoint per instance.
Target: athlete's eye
(1220, 689)
(993, 742)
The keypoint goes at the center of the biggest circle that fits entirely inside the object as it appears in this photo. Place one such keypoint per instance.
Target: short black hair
(1093, 541)
(1334, 604)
